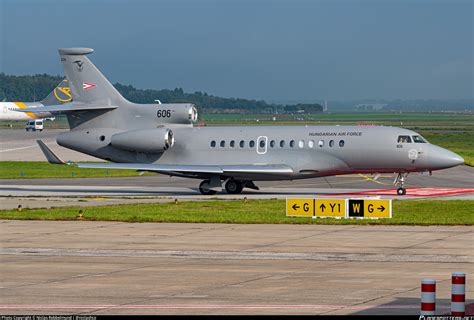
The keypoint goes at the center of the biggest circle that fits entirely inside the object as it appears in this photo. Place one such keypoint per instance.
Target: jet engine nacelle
(185, 113)
(148, 140)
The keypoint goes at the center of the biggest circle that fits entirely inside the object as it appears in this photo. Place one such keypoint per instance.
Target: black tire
(233, 186)
(401, 191)
(204, 188)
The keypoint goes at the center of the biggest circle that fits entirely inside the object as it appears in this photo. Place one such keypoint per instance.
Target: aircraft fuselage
(312, 151)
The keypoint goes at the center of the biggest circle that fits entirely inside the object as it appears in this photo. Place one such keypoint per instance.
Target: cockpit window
(418, 139)
(404, 139)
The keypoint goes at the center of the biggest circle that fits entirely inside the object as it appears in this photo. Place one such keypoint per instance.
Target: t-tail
(87, 83)
(61, 94)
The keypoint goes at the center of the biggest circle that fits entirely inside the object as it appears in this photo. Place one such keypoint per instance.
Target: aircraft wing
(264, 169)
(274, 169)
(67, 107)
(154, 167)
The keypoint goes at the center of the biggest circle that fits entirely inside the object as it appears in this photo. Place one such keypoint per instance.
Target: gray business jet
(161, 138)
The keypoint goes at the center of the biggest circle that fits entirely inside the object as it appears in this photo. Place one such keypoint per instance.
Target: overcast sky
(273, 50)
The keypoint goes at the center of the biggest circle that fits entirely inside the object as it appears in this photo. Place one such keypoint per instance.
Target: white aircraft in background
(10, 110)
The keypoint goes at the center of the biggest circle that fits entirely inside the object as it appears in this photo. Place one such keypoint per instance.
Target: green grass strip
(408, 212)
(36, 170)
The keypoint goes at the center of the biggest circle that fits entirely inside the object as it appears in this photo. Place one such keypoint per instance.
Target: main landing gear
(400, 181)
(205, 188)
(231, 186)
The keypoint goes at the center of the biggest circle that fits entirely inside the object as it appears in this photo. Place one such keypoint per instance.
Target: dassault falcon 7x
(10, 110)
(161, 138)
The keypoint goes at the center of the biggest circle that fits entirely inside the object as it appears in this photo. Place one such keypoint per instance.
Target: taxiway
(164, 268)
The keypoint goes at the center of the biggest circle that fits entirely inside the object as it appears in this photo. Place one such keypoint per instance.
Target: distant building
(370, 106)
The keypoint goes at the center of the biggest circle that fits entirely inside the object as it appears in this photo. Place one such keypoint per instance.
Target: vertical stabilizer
(87, 83)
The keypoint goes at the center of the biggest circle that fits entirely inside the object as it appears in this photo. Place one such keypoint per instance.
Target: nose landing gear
(400, 181)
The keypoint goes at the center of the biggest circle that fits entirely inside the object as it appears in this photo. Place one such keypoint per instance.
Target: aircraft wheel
(233, 186)
(401, 191)
(204, 188)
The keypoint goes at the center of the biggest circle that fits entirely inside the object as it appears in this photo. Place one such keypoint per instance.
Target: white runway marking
(14, 149)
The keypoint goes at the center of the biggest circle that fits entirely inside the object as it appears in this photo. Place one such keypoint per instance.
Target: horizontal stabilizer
(198, 169)
(50, 156)
(67, 107)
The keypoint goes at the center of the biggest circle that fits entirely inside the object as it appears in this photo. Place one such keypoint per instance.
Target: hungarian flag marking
(87, 85)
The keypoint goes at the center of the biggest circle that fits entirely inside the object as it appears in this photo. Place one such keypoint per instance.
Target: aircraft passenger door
(262, 143)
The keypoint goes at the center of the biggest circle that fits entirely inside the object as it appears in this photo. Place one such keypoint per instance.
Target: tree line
(35, 87)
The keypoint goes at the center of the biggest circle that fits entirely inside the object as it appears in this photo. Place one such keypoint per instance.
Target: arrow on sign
(322, 207)
(295, 207)
(381, 208)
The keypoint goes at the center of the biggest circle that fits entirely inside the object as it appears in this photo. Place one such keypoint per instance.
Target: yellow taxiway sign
(377, 208)
(338, 208)
(300, 207)
(330, 208)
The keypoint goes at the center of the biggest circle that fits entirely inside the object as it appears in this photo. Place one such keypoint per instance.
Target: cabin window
(262, 143)
(404, 139)
(213, 144)
(341, 143)
(282, 143)
(311, 144)
(301, 143)
(321, 143)
(242, 143)
(272, 144)
(251, 144)
(331, 143)
(418, 139)
(292, 143)
(222, 144)
(232, 144)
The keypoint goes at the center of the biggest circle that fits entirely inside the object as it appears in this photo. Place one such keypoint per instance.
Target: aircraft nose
(443, 158)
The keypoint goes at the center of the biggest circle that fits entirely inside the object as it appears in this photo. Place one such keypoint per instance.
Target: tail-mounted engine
(148, 140)
(185, 113)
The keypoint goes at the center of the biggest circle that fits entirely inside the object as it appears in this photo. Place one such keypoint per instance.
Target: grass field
(32, 169)
(408, 212)
(412, 120)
